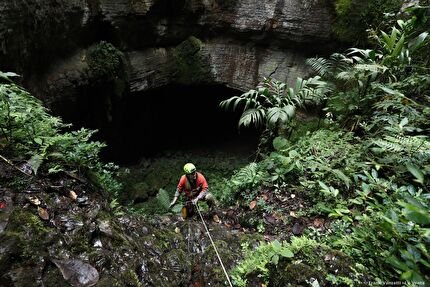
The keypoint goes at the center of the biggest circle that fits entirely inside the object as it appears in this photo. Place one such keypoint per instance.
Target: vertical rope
(189, 235)
(213, 244)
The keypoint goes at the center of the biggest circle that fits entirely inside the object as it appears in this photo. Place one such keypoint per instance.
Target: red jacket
(200, 186)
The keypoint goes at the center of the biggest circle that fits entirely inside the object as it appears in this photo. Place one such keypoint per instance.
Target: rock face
(239, 41)
(86, 243)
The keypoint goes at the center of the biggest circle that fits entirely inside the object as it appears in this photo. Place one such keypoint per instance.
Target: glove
(195, 200)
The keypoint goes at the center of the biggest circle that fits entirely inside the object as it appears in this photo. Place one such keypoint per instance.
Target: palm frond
(321, 66)
(280, 114)
(252, 116)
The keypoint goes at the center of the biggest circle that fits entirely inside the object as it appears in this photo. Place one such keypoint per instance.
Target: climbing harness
(213, 244)
(187, 210)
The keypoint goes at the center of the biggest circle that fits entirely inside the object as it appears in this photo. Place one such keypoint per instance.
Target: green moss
(192, 67)
(31, 235)
(52, 277)
(305, 248)
(302, 128)
(19, 183)
(104, 60)
(130, 278)
(251, 239)
(228, 255)
(27, 222)
(164, 239)
(296, 274)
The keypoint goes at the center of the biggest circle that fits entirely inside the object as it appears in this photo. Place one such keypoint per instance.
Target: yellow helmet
(189, 168)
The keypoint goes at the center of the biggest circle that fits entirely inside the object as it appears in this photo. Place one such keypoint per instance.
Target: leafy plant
(31, 133)
(243, 184)
(163, 198)
(360, 75)
(354, 17)
(273, 104)
(257, 260)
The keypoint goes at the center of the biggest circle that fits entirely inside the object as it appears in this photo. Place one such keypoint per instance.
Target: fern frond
(247, 176)
(417, 147)
(373, 68)
(163, 198)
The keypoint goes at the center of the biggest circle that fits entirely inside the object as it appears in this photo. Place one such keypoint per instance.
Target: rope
(213, 244)
(189, 235)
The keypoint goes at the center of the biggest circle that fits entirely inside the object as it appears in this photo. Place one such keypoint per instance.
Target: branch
(14, 166)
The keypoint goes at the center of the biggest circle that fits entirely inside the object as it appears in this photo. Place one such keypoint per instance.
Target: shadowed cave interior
(175, 118)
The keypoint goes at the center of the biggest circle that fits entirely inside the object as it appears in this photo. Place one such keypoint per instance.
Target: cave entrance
(178, 118)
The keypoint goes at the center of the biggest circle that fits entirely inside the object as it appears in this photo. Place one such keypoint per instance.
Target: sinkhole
(176, 118)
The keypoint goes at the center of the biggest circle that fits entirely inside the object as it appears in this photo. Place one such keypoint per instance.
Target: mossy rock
(52, 277)
(190, 63)
(295, 274)
(29, 231)
(323, 262)
(104, 60)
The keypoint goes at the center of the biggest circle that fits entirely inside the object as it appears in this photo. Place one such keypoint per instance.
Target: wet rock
(77, 273)
(105, 228)
(25, 276)
(6, 210)
(92, 212)
(68, 223)
(145, 230)
(82, 201)
(8, 247)
(297, 229)
(97, 243)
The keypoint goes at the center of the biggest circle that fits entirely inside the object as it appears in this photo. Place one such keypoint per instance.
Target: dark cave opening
(176, 118)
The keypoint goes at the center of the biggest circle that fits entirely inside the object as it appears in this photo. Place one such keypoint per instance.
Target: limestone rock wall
(232, 64)
(241, 40)
(38, 32)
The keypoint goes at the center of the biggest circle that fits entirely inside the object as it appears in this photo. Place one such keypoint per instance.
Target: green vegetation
(354, 17)
(192, 67)
(29, 133)
(272, 105)
(257, 260)
(104, 60)
(364, 168)
(153, 182)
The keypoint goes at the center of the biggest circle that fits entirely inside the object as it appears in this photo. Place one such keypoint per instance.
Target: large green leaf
(252, 116)
(415, 172)
(277, 115)
(287, 253)
(280, 143)
(416, 213)
(417, 42)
